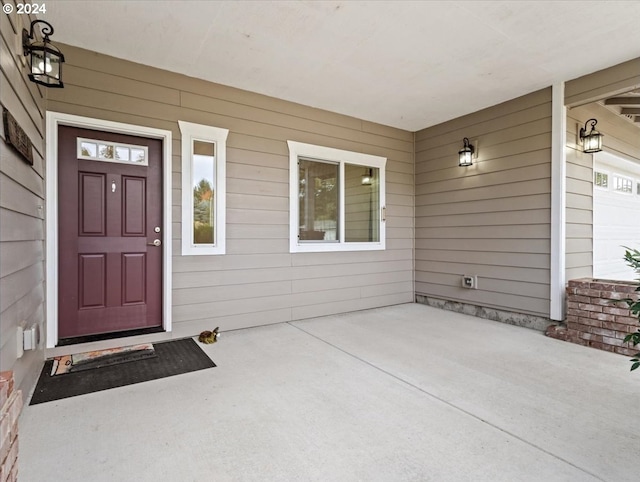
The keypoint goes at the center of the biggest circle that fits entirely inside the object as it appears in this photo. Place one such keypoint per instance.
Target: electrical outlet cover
(30, 339)
(469, 281)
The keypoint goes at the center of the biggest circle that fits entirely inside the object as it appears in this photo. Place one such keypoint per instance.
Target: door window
(95, 150)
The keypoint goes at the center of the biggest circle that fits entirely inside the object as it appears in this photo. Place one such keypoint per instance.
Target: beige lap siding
(22, 193)
(257, 281)
(491, 220)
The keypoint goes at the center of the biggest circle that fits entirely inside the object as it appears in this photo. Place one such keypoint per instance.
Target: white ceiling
(408, 64)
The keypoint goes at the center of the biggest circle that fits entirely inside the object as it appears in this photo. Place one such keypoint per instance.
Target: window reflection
(362, 201)
(318, 200)
(204, 199)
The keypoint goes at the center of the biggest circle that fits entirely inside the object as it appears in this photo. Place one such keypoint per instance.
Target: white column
(558, 202)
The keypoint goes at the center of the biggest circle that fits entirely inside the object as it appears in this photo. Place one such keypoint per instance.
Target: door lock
(156, 242)
(156, 229)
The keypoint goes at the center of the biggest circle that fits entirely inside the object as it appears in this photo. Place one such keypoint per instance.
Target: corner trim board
(558, 203)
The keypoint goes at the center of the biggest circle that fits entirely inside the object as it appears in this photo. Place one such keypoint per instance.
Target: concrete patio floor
(407, 392)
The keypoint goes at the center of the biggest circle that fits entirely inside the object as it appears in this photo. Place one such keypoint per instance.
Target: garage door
(616, 215)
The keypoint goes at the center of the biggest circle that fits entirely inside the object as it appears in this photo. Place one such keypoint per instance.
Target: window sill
(334, 247)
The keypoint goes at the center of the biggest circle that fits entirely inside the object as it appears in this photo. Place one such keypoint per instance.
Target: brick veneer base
(597, 317)
(10, 407)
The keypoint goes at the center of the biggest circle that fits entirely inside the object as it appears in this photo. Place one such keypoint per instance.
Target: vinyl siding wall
(603, 83)
(493, 219)
(620, 138)
(258, 281)
(21, 210)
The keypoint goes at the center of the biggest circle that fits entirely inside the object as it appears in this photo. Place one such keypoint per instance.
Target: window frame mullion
(341, 203)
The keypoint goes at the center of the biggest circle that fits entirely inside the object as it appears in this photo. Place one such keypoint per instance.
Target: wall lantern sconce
(367, 177)
(466, 153)
(592, 140)
(45, 65)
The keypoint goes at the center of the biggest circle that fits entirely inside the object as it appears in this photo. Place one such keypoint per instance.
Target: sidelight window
(203, 189)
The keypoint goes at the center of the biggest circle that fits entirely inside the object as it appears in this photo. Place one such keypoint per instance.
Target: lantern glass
(465, 157)
(466, 153)
(592, 142)
(46, 65)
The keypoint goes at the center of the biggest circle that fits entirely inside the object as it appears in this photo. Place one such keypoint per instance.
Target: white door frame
(54, 120)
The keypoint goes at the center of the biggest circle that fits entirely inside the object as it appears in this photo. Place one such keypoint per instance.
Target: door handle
(156, 242)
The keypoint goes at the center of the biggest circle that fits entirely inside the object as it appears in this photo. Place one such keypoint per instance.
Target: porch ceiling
(399, 63)
(626, 105)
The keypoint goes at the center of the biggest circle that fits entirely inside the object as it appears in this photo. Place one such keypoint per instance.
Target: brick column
(597, 317)
(11, 403)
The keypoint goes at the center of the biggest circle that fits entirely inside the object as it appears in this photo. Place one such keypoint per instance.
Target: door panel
(92, 203)
(110, 273)
(133, 206)
(92, 281)
(134, 279)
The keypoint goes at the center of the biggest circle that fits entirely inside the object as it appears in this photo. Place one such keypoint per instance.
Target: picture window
(336, 199)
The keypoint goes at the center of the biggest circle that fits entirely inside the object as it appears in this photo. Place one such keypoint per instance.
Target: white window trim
(217, 135)
(298, 150)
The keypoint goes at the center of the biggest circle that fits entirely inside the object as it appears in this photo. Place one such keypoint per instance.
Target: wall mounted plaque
(17, 137)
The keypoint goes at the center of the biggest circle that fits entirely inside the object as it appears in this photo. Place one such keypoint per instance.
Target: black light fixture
(466, 153)
(592, 140)
(45, 66)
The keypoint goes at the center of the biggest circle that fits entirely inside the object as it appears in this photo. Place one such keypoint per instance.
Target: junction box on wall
(470, 281)
(26, 339)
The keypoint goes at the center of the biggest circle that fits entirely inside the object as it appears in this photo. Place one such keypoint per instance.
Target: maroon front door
(109, 216)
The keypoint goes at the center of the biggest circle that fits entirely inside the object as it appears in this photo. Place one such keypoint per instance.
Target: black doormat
(172, 358)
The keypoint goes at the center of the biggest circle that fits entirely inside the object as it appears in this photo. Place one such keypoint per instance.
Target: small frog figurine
(209, 337)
